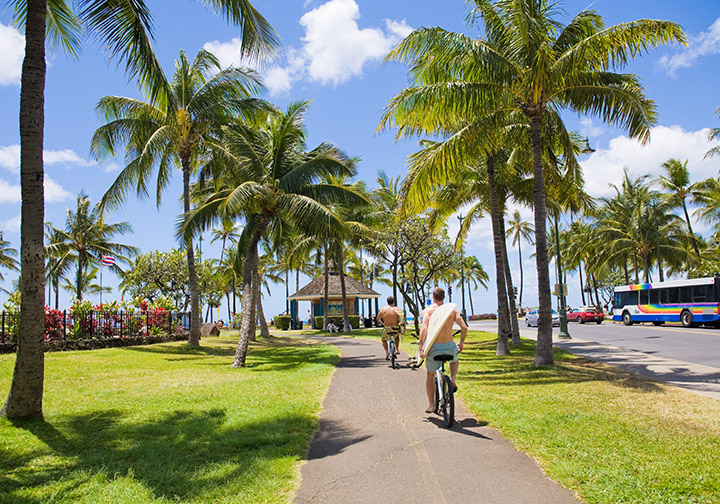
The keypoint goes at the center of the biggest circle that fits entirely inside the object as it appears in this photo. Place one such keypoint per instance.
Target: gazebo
(315, 291)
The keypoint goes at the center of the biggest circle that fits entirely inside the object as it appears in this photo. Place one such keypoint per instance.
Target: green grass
(610, 435)
(166, 423)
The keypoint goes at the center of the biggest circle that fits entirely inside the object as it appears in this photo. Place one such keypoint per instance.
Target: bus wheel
(626, 318)
(686, 318)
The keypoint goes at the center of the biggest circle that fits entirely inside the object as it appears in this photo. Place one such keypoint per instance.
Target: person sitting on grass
(331, 327)
(392, 320)
(443, 345)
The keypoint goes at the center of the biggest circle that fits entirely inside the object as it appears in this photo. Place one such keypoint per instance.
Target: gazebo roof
(316, 289)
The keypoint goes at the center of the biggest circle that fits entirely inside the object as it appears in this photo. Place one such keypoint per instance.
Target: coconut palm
(474, 275)
(88, 281)
(124, 29)
(85, 238)
(161, 134)
(678, 187)
(529, 63)
(270, 180)
(7, 257)
(714, 135)
(520, 230)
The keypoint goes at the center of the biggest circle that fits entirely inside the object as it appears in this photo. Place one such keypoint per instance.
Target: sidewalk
(704, 380)
(375, 444)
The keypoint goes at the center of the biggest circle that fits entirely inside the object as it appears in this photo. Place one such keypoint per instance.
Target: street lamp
(462, 275)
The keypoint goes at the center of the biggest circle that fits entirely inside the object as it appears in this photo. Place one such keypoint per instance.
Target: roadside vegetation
(167, 423)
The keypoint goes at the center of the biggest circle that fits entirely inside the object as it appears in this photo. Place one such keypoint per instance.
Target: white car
(531, 318)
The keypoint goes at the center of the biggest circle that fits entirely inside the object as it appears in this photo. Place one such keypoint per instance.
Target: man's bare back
(445, 333)
(389, 315)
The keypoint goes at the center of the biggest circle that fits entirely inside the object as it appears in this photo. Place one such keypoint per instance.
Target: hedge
(282, 322)
(96, 343)
(354, 321)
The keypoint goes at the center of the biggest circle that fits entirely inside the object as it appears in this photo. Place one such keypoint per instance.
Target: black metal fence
(66, 325)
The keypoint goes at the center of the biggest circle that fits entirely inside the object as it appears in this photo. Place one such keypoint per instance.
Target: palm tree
(531, 64)
(227, 231)
(474, 275)
(88, 281)
(713, 135)
(124, 30)
(86, 238)
(7, 258)
(520, 230)
(270, 180)
(162, 134)
(678, 187)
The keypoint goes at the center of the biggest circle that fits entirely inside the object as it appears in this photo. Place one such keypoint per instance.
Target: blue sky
(332, 56)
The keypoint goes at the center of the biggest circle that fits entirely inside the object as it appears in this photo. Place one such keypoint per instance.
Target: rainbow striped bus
(690, 302)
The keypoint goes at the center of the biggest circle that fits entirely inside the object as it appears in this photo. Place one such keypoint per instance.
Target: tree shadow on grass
(518, 369)
(181, 455)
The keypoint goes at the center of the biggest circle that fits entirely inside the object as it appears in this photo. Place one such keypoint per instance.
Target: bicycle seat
(443, 358)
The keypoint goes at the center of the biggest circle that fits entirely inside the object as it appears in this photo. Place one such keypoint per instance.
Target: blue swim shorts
(449, 348)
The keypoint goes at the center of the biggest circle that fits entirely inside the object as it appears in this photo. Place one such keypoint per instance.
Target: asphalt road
(696, 345)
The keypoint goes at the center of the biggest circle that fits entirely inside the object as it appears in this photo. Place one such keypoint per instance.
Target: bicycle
(444, 393)
(392, 349)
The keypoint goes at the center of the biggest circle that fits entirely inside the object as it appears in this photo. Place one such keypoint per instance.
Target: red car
(586, 314)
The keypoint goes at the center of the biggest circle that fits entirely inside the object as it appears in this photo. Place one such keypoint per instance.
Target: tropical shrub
(282, 322)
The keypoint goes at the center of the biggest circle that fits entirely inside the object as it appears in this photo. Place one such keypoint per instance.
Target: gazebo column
(293, 314)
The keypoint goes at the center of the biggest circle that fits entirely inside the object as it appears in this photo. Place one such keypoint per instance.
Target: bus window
(699, 293)
(685, 294)
(664, 296)
(672, 295)
(625, 298)
(643, 297)
(655, 296)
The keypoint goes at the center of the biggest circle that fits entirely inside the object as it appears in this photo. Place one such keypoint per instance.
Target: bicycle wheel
(448, 406)
(437, 399)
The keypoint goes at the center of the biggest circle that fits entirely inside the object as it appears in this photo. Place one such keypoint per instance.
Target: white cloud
(9, 193)
(704, 44)
(589, 129)
(12, 51)
(11, 225)
(337, 48)
(111, 167)
(606, 165)
(54, 192)
(334, 49)
(10, 158)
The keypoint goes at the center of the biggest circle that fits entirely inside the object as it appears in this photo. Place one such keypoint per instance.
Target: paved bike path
(375, 444)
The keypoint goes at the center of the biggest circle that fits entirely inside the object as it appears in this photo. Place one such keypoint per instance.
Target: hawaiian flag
(108, 260)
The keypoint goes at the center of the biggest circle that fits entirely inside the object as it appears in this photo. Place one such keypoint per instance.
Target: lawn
(608, 434)
(166, 423)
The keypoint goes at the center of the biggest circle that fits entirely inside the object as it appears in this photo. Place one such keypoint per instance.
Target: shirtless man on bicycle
(443, 344)
(390, 318)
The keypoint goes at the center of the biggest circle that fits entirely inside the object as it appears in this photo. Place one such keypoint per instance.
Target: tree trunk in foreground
(522, 279)
(472, 308)
(194, 336)
(247, 323)
(544, 348)
(26, 391)
(503, 328)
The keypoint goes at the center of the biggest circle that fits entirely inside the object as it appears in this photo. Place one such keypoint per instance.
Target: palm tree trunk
(627, 273)
(325, 292)
(247, 324)
(264, 331)
(472, 309)
(287, 292)
(582, 288)
(26, 391)
(194, 336)
(57, 293)
(512, 307)
(635, 268)
(341, 266)
(597, 297)
(690, 229)
(253, 306)
(78, 277)
(544, 348)
(503, 316)
(522, 280)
